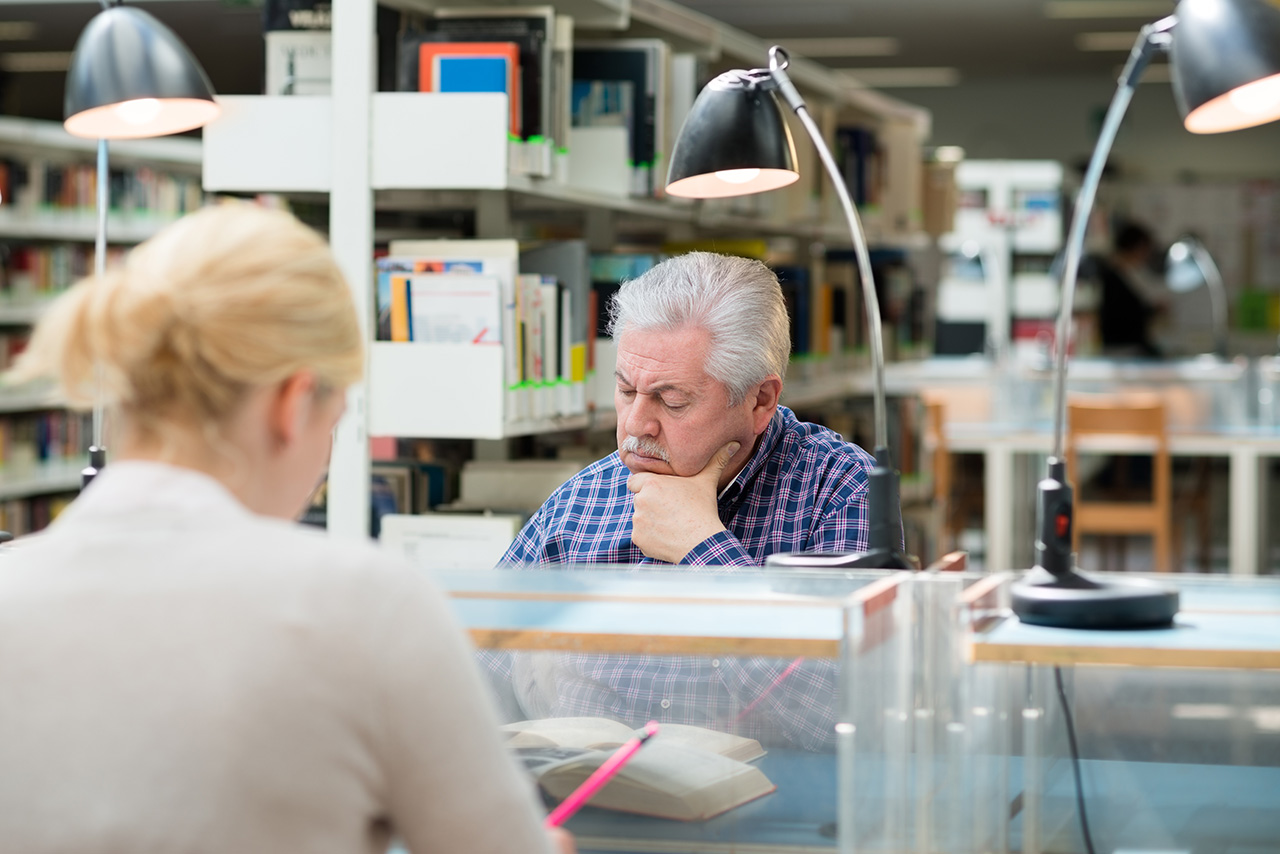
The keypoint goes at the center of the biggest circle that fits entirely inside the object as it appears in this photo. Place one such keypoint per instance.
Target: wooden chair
(1137, 421)
(957, 491)
(939, 468)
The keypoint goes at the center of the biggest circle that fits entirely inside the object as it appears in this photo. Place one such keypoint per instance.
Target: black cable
(1075, 762)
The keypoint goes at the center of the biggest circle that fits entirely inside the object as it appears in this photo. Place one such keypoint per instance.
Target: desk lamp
(736, 142)
(1188, 265)
(1225, 58)
(130, 78)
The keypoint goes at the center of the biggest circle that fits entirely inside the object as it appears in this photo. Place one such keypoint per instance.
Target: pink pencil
(579, 797)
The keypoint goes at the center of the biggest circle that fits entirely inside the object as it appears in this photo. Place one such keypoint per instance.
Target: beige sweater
(179, 675)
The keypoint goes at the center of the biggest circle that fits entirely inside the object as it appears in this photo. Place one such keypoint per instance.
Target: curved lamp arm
(778, 61)
(1151, 38)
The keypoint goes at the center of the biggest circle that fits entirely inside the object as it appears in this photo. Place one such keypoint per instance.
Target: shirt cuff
(719, 549)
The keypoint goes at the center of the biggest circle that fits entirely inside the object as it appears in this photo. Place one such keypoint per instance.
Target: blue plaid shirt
(804, 488)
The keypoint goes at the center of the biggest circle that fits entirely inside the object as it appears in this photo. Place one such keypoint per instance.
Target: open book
(684, 772)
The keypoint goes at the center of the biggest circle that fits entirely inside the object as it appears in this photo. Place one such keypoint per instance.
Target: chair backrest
(935, 436)
(1129, 425)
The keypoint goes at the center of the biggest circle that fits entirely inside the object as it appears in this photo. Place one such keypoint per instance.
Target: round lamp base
(1074, 601)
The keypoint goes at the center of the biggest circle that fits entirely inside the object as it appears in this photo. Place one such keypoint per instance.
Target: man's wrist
(720, 549)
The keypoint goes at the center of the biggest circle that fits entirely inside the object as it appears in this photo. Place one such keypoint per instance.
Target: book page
(598, 733)
(663, 780)
(725, 743)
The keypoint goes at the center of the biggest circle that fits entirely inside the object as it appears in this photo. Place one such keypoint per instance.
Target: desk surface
(1131, 804)
(1228, 625)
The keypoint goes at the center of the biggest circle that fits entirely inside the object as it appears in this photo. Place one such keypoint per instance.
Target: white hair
(736, 300)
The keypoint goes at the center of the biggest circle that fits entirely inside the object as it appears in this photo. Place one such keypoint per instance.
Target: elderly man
(710, 470)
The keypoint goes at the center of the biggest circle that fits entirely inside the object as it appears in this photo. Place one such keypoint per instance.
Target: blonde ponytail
(226, 300)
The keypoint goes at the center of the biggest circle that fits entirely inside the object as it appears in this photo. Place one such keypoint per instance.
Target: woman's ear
(291, 407)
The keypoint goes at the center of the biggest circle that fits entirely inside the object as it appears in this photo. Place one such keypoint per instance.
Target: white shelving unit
(408, 150)
(75, 227)
(28, 400)
(45, 479)
(22, 313)
(26, 138)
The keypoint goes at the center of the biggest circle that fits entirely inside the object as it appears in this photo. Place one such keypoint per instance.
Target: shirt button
(715, 662)
(666, 704)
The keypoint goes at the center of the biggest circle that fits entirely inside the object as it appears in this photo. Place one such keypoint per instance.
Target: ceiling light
(890, 78)
(1119, 42)
(837, 47)
(35, 60)
(17, 31)
(1157, 72)
(1106, 8)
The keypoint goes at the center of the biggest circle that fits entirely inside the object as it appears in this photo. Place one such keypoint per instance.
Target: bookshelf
(42, 479)
(372, 150)
(48, 224)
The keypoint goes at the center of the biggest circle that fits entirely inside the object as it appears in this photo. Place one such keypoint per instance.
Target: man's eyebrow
(662, 389)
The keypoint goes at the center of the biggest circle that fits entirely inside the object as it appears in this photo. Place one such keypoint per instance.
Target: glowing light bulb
(140, 111)
(1261, 96)
(738, 176)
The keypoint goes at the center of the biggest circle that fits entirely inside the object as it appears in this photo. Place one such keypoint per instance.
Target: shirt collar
(764, 448)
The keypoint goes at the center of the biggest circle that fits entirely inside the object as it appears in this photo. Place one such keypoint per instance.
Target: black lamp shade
(734, 142)
(131, 77)
(1225, 60)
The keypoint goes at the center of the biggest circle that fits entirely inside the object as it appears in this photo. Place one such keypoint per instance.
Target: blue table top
(1229, 624)
(1130, 804)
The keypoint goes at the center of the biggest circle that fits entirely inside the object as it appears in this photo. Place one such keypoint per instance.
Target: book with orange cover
(472, 67)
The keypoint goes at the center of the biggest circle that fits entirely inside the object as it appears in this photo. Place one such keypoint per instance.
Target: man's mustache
(647, 447)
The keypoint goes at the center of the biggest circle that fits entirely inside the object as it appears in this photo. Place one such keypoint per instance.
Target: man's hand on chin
(674, 514)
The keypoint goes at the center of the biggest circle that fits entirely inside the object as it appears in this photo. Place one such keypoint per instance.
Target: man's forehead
(676, 357)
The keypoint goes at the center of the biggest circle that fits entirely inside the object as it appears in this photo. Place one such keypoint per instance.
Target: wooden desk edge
(620, 644)
(1237, 659)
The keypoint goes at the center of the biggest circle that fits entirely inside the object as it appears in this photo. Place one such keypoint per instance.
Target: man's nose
(641, 417)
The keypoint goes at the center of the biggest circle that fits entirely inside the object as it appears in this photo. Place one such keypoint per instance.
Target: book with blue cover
(473, 67)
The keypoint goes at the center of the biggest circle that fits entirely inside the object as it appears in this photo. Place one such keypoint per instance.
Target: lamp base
(1075, 601)
(871, 559)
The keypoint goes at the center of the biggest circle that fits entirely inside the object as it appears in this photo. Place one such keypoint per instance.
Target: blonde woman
(181, 667)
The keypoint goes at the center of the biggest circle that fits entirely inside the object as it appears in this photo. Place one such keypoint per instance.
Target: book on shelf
(686, 75)
(447, 307)
(533, 30)
(686, 773)
(626, 80)
(488, 292)
(568, 262)
(473, 67)
(36, 187)
(796, 293)
(299, 45)
(299, 62)
(560, 114)
(861, 161)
